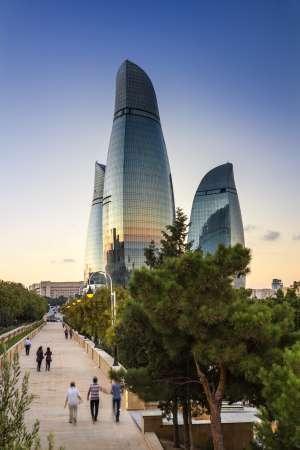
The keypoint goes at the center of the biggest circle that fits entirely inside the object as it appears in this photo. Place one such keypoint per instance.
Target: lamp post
(113, 305)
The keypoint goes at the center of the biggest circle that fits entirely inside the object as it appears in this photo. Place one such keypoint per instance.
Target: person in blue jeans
(116, 398)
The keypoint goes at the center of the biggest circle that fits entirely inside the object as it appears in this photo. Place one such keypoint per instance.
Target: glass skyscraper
(94, 242)
(138, 199)
(216, 216)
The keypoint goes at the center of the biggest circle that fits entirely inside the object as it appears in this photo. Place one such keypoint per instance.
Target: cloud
(296, 237)
(250, 227)
(68, 260)
(271, 235)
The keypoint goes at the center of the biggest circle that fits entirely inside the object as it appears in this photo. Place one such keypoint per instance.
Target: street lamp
(90, 293)
(113, 305)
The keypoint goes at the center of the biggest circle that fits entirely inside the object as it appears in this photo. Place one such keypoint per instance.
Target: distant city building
(277, 284)
(56, 289)
(216, 216)
(94, 242)
(138, 201)
(263, 293)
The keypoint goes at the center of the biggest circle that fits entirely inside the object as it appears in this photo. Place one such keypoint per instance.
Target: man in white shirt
(72, 400)
(27, 345)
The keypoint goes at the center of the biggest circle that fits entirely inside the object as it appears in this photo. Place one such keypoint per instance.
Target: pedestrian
(39, 358)
(94, 397)
(116, 398)
(66, 333)
(48, 355)
(71, 333)
(72, 400)
(27, 345)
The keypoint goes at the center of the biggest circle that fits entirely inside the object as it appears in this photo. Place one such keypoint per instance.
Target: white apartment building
(56, 289)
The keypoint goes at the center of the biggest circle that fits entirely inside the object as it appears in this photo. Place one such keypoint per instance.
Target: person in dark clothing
(116, 397)
(94, 397)
(48, 355)
(66, 333)
(39, 358)
(71, 333)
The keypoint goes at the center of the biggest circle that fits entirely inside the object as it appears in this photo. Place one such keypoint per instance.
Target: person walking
(94, 396)
(72, 400)
(66, 333)
(116, 390)
(27, 345)
(71, 333)
(48, 355)
(39, 358)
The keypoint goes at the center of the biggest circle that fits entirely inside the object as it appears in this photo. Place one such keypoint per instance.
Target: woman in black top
(48, 355)
(39, 358)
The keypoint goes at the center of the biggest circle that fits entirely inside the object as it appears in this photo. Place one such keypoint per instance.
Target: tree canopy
(280, 417)
(18, 304)
(192, 299)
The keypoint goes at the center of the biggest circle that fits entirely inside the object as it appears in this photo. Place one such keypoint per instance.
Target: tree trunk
(191, 426)
(216, 427)
(186, 433)
(214, 399)
(176, 440)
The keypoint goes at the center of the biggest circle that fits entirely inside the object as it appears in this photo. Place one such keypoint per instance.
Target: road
(70, 363)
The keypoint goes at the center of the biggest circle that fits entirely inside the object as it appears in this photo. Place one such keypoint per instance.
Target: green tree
(151, 373)
(280, 418)
(14, 402)
(93, 317)
(173, 243)
(192, 299)
(18, 304)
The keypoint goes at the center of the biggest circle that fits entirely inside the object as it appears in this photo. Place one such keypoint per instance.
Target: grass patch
(18, 337)
(4, 330)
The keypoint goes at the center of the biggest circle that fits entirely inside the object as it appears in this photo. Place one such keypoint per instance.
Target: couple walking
(73, 399)
(40, 357)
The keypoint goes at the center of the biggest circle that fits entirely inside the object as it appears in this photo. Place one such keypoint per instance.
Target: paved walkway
(70, 363)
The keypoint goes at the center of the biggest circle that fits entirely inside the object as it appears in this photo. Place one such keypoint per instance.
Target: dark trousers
(39, 363)
(48, 365)
(116, 407)
(27, 349)
(94, 405)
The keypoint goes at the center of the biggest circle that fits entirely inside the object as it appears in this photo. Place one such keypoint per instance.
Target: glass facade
(94, 241)
(216, 216)
(138, 199)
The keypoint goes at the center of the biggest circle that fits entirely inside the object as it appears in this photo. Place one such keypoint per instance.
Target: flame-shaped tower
(138, 199)
(216, 215)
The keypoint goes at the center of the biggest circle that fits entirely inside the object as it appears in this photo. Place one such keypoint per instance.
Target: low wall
(105, 362)
(12, 333)
(237, 436)
(19, 346)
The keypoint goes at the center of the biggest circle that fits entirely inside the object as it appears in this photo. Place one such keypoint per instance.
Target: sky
(226, 75)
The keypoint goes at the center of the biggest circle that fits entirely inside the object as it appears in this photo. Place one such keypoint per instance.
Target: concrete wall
(237, 436)
(104, 361)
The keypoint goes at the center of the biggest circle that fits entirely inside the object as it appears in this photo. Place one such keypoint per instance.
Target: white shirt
(72, 395)
(27, 342)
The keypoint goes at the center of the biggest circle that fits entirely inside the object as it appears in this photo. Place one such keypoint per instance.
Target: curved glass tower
(138, 199)
(216, 215)
(94, 241)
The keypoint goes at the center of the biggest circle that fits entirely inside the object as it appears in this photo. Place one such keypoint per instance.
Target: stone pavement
(70, 363)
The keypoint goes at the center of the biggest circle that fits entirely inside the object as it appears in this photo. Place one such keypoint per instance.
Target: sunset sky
(226, 75)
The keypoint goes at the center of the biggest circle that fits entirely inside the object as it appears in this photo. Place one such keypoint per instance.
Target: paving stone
(70, 363)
